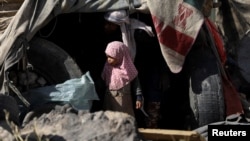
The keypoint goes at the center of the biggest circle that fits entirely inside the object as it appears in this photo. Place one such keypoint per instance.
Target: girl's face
(112, 61)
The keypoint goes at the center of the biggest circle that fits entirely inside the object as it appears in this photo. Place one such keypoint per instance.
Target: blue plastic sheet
(79, 92)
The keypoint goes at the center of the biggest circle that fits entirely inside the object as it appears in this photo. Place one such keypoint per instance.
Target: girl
(120, 76)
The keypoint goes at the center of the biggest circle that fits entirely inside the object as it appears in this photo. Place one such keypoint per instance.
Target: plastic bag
(79, 92)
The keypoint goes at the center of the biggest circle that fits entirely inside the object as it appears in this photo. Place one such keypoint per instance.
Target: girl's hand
(138, 104)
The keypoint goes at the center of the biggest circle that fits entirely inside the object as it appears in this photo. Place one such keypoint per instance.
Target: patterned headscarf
(121, 74)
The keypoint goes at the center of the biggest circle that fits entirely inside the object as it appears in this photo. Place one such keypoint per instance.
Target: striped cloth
(177, 24)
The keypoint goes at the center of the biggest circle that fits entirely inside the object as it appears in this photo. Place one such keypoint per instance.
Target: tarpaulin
(34, 14)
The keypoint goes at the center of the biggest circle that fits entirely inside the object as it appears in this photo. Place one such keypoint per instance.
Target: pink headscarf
(120, 75)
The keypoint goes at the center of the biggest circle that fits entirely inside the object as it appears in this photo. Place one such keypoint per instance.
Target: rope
(18, 93)
(131, 5)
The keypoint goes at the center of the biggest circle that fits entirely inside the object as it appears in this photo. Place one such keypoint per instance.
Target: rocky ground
(63, 123)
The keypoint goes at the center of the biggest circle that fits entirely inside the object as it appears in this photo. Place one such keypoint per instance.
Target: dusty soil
(65, 124)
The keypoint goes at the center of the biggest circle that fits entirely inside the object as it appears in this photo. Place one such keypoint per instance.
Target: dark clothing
(122, 100)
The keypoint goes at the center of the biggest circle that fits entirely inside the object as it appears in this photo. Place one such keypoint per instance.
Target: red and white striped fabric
(177, 24)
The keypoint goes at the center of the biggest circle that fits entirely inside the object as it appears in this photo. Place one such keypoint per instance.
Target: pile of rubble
(63, 123)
